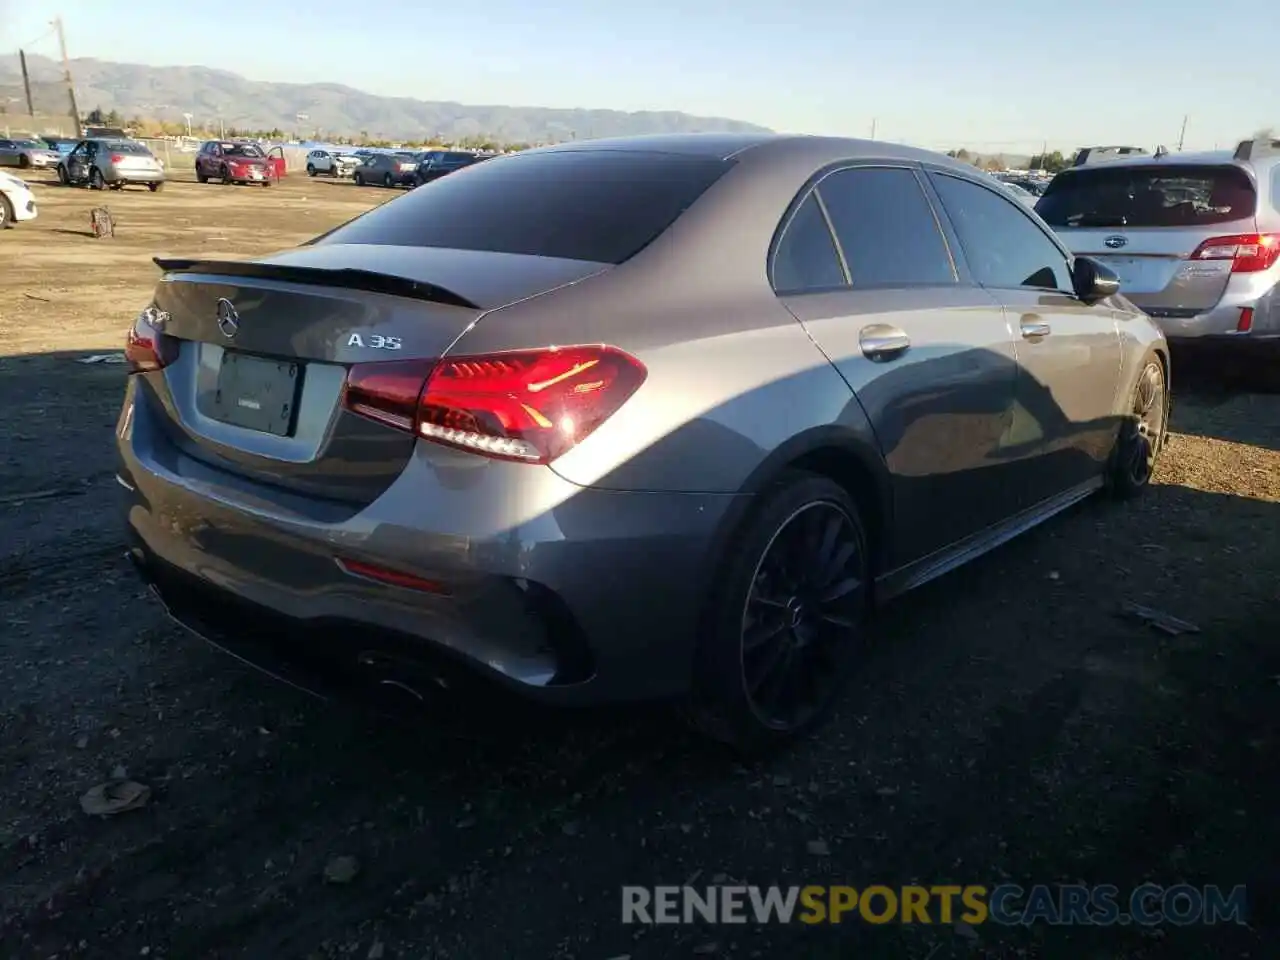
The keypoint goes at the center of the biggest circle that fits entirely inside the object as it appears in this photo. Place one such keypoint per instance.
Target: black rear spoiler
(346, 279)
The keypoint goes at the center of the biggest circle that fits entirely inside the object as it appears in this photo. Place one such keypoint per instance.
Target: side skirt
(919, 572)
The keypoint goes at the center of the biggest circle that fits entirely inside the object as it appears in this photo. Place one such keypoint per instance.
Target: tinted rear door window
(886, 228)
(1004, 247)
(1141, 196)
(597, 205)
(806, 257)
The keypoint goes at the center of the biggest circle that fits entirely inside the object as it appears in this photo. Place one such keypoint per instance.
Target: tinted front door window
(1004, 247)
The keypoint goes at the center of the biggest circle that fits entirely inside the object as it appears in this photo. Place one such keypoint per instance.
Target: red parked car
(234, 162)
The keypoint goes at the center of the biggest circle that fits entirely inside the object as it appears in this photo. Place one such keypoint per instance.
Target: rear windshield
(128, 148)
(1138, 196)
(597, 205)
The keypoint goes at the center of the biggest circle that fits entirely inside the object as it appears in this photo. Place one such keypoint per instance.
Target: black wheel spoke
(839, 589)
(761, 633)
(775, 659)
(839, 561)
(801, 617)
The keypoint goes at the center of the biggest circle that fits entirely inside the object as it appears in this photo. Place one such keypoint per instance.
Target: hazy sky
(935, 73)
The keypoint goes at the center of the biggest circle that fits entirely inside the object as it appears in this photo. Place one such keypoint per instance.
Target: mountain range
(217, 96)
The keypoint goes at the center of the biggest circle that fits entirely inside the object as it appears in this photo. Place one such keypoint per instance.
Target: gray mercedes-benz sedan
(659, 417)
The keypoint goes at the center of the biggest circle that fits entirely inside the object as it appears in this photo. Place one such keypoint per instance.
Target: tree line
(1049, 162)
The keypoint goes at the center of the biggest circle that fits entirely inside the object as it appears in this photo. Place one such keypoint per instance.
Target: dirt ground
(1009, 727)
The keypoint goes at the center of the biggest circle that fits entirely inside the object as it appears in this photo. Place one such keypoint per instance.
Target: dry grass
(54, 269)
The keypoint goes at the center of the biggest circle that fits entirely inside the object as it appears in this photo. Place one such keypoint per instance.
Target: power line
(30, 43)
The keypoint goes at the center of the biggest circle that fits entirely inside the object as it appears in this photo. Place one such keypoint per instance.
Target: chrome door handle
(882, 342)
(1033, 327)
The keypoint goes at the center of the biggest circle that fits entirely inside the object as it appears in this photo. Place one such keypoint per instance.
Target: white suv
(1194, 237)
(331, 163)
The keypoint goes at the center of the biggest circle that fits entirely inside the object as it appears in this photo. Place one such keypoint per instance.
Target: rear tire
(24, 161)
(201, 177)
(359, 179)
(96, 180)
(784, 625)
(311, 170)
(155, 187)
(6, 213)
(388, 181)
(1143, 433)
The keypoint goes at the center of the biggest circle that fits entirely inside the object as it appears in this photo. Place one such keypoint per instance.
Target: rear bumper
(565, 594)
(136, 176)
(1226, 320)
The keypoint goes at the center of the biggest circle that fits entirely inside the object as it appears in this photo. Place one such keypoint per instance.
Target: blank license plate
(257, 393)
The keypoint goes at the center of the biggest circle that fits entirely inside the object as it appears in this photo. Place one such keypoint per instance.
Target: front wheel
(96, 180)
(224, 175)
(6, 213)
(155, 187)
(1142, 434)
(311, 170)
(64, 178)
(24, 161)
(785, 621)
(359, 180)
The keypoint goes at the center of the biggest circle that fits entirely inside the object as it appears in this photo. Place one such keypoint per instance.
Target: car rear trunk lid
(264, 347)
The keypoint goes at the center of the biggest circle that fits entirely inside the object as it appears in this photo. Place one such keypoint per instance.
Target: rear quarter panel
(732, 375)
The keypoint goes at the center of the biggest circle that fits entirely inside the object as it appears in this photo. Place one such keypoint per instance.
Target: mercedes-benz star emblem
(228, 319)
(1114, 243)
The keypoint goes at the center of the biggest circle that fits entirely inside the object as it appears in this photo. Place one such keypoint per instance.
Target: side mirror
(1092, 281)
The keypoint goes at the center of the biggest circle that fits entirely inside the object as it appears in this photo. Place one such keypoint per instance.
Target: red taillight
(147, 347)
(388, 392)
(527, 405)
(1250, 252)
(117, 158)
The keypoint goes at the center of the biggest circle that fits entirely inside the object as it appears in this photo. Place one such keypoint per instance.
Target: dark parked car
(388, 170)
(435, 164)
(657, 417)
(233, 162)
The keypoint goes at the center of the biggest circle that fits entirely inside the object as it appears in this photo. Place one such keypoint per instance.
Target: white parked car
(17, 202)
(333, 163)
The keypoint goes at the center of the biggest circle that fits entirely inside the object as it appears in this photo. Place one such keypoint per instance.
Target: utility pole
(873, 128)
(26, 81)
(66, 72)
(1183, 134)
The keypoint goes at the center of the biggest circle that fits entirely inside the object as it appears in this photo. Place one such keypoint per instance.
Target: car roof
(724, 146)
